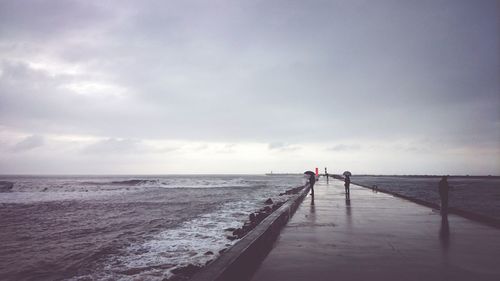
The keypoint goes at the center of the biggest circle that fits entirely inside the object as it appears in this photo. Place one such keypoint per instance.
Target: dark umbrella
(311, 173)
(347, 174)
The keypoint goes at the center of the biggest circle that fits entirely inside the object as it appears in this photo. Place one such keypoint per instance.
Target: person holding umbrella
(312, 180)
(347, 182)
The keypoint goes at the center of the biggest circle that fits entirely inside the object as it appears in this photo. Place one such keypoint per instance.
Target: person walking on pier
(443, 188)
(312, 180)
(347, 183)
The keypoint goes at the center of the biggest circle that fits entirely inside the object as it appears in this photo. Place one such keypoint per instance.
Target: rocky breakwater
(254, 218)
(6, 186)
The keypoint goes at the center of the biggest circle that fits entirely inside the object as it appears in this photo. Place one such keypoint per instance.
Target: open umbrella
(311, 173)
(347, 174)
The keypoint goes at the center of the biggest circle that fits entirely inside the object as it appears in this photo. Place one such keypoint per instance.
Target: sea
(145, 227)
(124, 227)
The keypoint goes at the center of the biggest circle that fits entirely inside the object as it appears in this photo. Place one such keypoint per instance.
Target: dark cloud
(49, 19)
(29, 143)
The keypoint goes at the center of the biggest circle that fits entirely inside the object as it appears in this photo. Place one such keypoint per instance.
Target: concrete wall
(241, 260)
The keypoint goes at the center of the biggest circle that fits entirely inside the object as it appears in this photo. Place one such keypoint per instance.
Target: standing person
(443, 188)
(347, 182)
(311, 176)
(312, 180)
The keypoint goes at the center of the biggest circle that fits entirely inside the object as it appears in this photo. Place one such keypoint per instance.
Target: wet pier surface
(375, 236)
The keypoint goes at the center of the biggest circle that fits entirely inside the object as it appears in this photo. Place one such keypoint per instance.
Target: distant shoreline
(396, 176)
(430, 176)
(256, 174)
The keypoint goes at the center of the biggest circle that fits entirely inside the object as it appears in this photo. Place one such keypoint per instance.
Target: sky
(243, 87)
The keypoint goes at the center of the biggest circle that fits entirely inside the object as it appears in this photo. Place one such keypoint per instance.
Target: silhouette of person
(347, 182)
(443, 188)
(312, 180)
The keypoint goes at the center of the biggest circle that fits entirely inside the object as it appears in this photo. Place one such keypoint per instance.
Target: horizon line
(248, 174)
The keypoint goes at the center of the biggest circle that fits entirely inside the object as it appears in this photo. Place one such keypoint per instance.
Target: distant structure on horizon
(282, 174)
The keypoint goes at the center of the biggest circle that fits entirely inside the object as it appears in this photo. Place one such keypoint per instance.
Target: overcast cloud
(249, 86)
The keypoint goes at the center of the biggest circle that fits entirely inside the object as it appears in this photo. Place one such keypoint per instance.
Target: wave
(134, 182)
(196, 241)
(174, 183)
(86, 184)
(6, 186)
(140, 227)
(123, 182)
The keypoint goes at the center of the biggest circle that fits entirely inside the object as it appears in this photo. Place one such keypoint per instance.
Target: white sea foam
(127, 227)
(196, 242)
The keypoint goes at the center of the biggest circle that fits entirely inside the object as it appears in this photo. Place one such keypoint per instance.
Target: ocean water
(126, 227)
(480, 195)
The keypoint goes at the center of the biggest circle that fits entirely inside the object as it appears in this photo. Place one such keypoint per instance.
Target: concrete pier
(375, 236)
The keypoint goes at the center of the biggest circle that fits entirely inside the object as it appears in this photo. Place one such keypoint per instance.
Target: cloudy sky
(164, 87)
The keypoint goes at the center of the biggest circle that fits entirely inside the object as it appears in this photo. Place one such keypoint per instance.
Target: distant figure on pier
(347, 183)
(443, 188)
(312, 180)
(326, 175)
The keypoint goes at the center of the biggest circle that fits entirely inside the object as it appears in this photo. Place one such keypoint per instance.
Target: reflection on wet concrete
(444, 233)
(312, 211)
(376, 236)
(348, 211)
